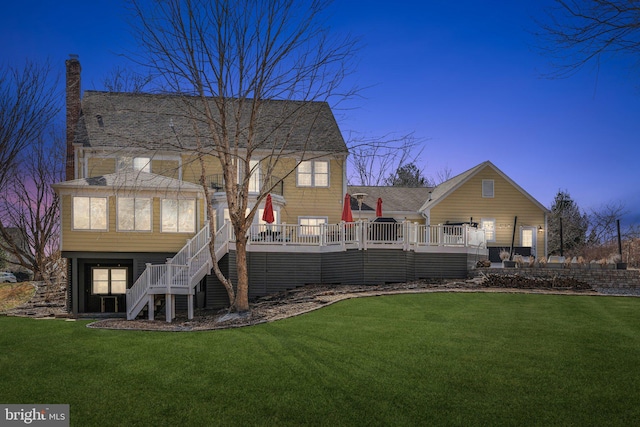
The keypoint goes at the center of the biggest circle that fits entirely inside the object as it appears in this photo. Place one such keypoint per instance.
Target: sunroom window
(90, 213)
(178, 216)
(134, 214)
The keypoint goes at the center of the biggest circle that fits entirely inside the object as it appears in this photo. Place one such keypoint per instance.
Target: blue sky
(464, 76)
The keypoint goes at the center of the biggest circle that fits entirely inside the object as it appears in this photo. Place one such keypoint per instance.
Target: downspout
(513, 236)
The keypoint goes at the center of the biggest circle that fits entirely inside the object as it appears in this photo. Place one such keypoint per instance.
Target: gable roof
(394, 199)
(170, 122)
(443, 190)
(130, 180)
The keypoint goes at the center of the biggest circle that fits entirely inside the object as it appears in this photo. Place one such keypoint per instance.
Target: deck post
(167, 306)
(190, 306)
(151, 306)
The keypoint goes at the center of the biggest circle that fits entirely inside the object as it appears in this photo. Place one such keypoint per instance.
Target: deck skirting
(274, 271)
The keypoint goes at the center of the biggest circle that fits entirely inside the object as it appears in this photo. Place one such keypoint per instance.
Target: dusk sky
(464, 76)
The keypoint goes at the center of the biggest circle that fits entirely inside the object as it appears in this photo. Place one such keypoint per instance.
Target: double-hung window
(134, 214)
(178, 216)
(90, 213)
(313, 173)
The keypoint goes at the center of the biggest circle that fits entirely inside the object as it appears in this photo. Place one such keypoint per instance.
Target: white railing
(476, 238)
(365, 234)
(193, 261)
(184, 270)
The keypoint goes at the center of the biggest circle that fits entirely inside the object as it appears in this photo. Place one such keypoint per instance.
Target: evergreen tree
(574, 225)
(408, 176)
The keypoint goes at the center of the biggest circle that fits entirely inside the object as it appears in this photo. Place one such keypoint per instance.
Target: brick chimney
(73, 110)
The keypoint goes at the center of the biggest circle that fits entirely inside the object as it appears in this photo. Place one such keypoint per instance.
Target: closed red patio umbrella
(267, 215)
(379, 207)
(346, 209)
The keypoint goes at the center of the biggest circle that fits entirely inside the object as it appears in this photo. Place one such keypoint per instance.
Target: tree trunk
(242, 290)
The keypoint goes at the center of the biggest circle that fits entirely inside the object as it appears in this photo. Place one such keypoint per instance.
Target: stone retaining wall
(617, 279)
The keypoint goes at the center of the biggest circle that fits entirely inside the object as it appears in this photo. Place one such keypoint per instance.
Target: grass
(14, 294)
(427, 359)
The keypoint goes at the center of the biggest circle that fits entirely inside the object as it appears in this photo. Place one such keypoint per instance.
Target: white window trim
(134, 221)
(482, 221)
(256, 175)
(73, 214)
(313, 174)
(493, 189)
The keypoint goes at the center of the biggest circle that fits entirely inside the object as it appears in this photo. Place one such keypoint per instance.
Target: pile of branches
(522, 282)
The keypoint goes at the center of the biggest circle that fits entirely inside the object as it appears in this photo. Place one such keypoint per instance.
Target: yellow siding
(168, 168)
(311, 201)
(467, 202)
(191, 169)
(98, 166)
(123, 241)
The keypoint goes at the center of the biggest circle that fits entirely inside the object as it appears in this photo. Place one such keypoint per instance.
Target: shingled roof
(394, 199)
(130, 180)
(170, 122)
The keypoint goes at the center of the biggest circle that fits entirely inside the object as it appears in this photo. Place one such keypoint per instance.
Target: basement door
(528, 239)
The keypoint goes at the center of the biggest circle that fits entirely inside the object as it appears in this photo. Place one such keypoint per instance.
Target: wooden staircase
(178, 276)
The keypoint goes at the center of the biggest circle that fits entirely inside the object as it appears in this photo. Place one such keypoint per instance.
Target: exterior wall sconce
(540, 229)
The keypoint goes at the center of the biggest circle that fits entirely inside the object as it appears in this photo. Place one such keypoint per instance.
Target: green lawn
(427, 359)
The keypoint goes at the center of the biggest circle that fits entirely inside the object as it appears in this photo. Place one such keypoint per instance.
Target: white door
(528, 238)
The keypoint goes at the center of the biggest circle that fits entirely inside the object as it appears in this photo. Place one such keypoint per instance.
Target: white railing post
(283, 233)
(465, 232)
(323, 234)
(405, 235)
(148, 268)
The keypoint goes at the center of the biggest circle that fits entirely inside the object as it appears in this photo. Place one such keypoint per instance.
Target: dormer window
(142, 164)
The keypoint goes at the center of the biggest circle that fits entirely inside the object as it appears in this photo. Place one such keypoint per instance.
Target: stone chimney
(73, 110)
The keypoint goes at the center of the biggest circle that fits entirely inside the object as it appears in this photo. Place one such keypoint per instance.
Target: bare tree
(579, 32)
(371, 159)
(602, 222)
(444, 174)
(30, 219)
(120, 79)
(231, 57)
(28, 104)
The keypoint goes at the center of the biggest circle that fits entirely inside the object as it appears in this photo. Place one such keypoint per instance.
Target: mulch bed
(312, 297)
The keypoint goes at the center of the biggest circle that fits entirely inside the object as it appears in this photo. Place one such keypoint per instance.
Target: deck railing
(184, 270)
(364, 234)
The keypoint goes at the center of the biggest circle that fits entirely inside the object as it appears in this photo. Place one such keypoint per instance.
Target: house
(135, 229)
(483, 196)
(133, 196)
